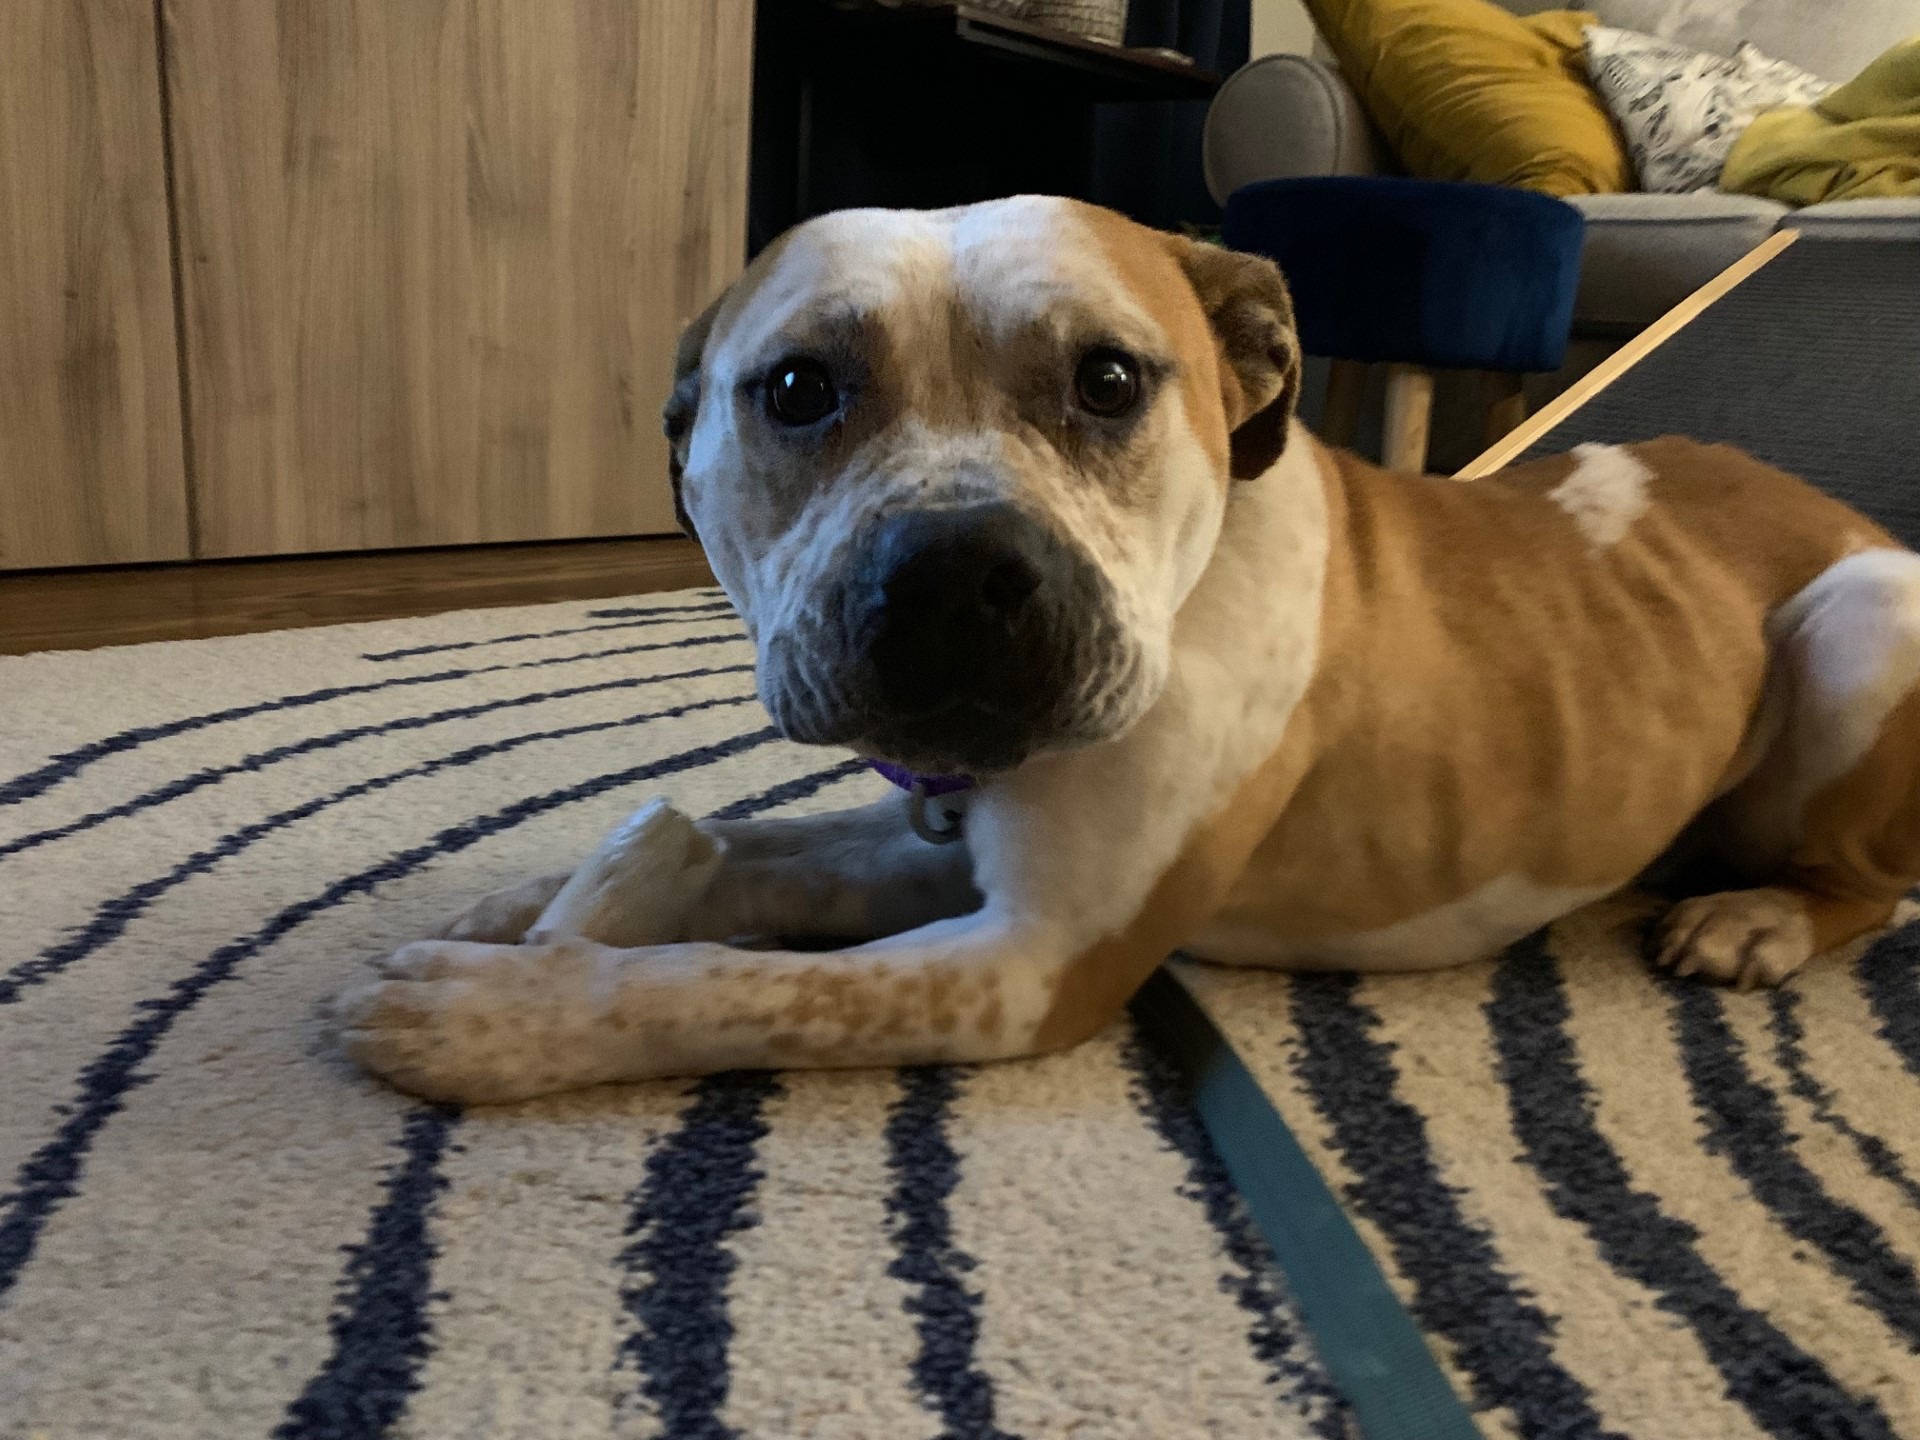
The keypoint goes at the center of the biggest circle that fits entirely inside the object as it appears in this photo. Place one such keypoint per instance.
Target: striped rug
(1621, 1205)
(212, 1228)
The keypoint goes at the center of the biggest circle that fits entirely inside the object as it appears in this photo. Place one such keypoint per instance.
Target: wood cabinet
(90, 439)
(431, 259)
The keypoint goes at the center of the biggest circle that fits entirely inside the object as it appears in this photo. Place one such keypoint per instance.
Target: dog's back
(1528, 686)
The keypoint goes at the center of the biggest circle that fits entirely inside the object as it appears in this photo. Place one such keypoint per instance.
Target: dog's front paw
(479, 1024)
(505, 916)
(1738, 937)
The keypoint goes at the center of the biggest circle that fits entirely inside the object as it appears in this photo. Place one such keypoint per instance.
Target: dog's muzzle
(968, 637)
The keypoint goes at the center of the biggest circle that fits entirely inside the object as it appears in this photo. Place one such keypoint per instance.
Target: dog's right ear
(683, 405)
(1247, 305)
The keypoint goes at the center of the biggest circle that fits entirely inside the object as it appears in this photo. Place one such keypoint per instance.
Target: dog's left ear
(683, 405)
(1246, 301)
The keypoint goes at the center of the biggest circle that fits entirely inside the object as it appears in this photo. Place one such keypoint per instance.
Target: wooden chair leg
(1505, 402)
(1409, 418)
(1346, 387)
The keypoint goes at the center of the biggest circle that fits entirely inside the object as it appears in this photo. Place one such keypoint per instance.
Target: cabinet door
(90, 453)
(435, 255)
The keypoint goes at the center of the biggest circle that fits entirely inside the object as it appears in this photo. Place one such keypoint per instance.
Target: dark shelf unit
(867, 102)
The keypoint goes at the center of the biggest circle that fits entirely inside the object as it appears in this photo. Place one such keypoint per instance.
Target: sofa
(1290, 115)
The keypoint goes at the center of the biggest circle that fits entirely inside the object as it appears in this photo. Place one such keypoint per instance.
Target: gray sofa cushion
(1873, 219)
(1646, 253)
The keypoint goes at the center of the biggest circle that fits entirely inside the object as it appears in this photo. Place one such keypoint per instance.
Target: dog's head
(958, 469)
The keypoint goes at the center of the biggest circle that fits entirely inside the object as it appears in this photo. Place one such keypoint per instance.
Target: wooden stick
(1626, 357)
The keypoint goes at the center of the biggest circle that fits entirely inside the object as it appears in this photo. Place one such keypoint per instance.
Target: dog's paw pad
(1744, 938)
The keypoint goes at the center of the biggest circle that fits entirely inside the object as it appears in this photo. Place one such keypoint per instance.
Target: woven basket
(1104, 20)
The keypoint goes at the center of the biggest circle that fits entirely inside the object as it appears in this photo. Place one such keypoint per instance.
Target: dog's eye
(800, 392)
(1107, 383)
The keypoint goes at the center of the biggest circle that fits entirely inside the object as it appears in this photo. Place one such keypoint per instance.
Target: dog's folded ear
(1246, 302)
(683, 405)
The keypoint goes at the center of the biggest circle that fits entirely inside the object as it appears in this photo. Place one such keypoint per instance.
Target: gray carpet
(1812, 364)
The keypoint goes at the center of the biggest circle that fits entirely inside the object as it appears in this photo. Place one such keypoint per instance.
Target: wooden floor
(124, 605)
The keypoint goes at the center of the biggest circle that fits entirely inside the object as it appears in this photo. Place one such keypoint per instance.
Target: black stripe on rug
(112, 917)
(695, 1194)
(946, 1313)
(1790, 1054)
(788, 792)
(1744, 1122)
(1890, 976)
(380, 1328)
(1461, 1293)
(70, 763)
(1253, 1276)
(711, 592)
(65, 766)
(660, 615)
(1788, 1393)
(51, 1175)
(260, 760)
(384, 1320)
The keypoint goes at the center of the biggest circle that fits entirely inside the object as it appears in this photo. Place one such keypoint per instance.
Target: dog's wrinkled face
(958, 469)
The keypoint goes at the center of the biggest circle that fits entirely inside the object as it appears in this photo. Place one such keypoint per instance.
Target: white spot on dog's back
(1605, 494)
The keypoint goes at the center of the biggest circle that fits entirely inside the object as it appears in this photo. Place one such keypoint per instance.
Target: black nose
(957, 608)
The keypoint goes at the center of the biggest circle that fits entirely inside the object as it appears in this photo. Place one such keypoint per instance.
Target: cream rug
(1621, 1205)
(210, 1227)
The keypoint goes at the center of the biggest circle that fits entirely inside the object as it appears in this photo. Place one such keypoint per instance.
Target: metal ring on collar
(923, 826)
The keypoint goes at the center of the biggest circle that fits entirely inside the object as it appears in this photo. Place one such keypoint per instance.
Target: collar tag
(919, 815)
(923, 788)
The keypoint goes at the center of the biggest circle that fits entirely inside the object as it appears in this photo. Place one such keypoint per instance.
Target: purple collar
(929, 785)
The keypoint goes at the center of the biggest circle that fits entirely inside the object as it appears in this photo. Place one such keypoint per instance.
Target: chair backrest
(1833, 38)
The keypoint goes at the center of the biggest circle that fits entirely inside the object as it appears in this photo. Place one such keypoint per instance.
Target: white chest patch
(1605, 494)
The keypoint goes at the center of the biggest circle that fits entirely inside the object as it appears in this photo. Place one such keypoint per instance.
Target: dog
(1016, 492)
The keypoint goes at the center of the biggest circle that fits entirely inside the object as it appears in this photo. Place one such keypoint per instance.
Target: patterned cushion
(1681, 109)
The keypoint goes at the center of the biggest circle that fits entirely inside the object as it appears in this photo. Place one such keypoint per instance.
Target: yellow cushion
(1861, 142)
(1461, 90)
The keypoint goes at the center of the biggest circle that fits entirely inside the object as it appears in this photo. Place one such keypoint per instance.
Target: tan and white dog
(1016, 490)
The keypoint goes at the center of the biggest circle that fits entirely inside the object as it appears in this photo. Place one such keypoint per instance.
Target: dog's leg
(1829, 818)
(1091, 867)
(854, 875)
(847, 875)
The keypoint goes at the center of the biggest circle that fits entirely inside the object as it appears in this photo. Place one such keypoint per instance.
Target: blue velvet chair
(1418, 275)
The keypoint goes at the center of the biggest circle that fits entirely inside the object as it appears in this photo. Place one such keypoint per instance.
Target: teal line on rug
(1369, 1343)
